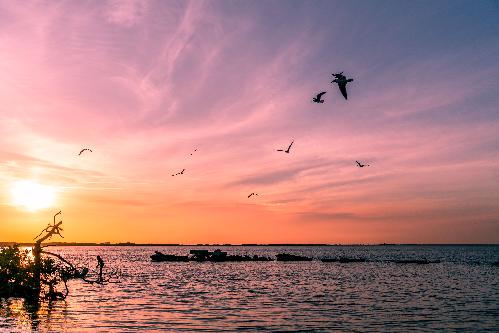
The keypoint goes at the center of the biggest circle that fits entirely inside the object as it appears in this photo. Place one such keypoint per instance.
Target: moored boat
(292, 257)
(159, 257)
(205, 255)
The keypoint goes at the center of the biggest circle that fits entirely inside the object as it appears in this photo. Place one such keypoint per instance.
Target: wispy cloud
(144, 83)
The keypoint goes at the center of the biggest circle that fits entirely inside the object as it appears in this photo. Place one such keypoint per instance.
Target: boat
(159, 257)
(221, 256)
(205, 255)
(291, 257)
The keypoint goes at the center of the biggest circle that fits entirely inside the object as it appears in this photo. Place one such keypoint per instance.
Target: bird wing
(290, 145)
(319, 95)
(343, 89)
(357, 163)
(280, 150)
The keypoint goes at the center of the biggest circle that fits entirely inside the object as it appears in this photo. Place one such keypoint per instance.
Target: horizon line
(3, 244)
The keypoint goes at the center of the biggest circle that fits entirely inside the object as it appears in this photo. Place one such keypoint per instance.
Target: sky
(146, 83)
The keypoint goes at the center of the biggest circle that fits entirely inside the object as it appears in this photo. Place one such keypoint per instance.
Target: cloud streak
(145, 83)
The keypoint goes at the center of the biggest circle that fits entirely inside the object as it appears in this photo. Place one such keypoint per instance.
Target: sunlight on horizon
(32, 196)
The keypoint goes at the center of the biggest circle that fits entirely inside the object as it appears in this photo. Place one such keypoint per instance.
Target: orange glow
(31, 195)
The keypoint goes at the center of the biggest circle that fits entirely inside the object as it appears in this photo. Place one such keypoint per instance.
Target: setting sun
(31, 195)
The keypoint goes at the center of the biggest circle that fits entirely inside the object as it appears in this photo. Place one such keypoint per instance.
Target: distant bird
(317, 99)
(249, 196)
(81, 151)
(193, 151)
(342, 81)
(287, 150)
(179, 173)
(360, 165)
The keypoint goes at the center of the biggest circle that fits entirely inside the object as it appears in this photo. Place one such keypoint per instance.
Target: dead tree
(50, 230)
(70, 271)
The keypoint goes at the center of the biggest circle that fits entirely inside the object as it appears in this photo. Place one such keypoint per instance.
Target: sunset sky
(144, 84)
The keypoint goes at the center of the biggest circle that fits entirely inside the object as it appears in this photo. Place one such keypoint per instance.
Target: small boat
(291, 257)
(221, 256)
(159, 257)
(205, 255)
(343, 260)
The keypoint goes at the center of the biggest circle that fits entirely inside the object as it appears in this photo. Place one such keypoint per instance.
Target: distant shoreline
(3, 244)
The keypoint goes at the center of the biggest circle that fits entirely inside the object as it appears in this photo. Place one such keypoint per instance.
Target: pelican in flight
(81, 151)
(249, 196)
(317, 99)
(360, 165)
(287, 150)
(342, 81)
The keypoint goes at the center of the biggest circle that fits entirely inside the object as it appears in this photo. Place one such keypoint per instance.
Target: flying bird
(360, 165)
(287, 150)
(249, 196)
(81, 151)
(342, 81)
(317, 99)
(179, 173)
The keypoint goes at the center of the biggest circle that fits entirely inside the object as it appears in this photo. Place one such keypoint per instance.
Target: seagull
(179, 173)
(81, 151)
(249, 196)
(360, 165)
(287, 150)
(317, 99)
(342, 81)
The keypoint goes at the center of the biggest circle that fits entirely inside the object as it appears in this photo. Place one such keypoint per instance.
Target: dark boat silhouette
(291, 257)
(206, 256)
(158, 257)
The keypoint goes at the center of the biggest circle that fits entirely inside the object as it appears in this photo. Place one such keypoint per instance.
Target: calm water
(459, 294)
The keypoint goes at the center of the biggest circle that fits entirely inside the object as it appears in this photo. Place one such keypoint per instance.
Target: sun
(31, 195)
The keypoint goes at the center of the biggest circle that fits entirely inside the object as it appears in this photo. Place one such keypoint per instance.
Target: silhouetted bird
(249, 196)
(287, 150)
(81, 151)
(317, 99)
(360, 165)
(342, 81)
(179, 173)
